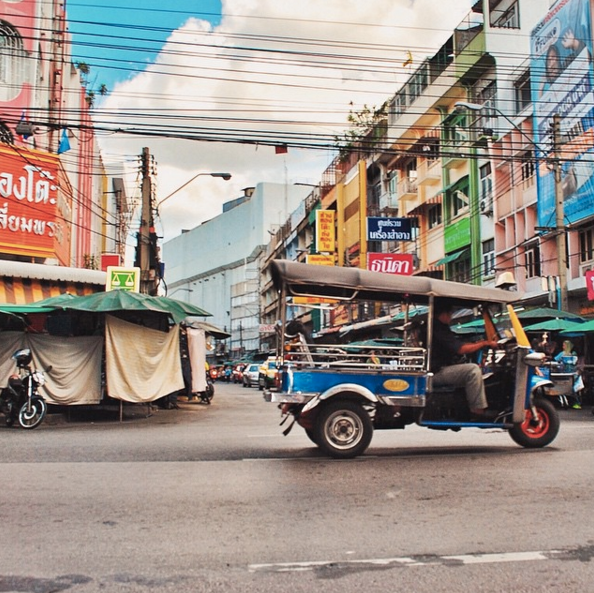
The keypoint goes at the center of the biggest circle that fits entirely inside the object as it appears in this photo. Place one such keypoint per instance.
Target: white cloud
(309, 63)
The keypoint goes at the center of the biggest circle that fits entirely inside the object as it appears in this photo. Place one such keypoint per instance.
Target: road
(214, 498)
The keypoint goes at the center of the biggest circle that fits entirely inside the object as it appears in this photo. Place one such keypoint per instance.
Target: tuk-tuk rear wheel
(343, 429)
(540, 432)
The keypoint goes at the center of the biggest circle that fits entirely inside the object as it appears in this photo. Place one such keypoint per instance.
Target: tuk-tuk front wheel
(343, 429)
(539, 431)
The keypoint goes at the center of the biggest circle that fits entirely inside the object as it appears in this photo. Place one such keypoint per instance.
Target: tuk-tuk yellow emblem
(396, 385)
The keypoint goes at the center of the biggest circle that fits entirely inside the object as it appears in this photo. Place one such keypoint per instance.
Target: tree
(367, 126)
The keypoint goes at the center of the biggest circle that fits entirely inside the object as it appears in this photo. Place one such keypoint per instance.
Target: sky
(213, 86)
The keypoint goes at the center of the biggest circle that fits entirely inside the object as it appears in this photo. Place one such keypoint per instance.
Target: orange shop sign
(35, 210)
(325, 232)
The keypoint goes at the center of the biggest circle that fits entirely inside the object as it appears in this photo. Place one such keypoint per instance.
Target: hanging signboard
(389, 229)
(325, 232)
(35, 205)
(391, 263)
(119, 278)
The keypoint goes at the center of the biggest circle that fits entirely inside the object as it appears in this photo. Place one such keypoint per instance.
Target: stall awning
(22, 291)
(22, 283)
(451, 257)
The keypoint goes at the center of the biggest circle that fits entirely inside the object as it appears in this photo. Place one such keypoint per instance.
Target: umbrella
(470, 327)
(209, 328)
(582, 328)
(125, 300)
(551, 325)
(547, 313)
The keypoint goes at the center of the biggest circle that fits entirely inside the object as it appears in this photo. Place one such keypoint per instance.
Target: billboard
(391, 263)
(325, 231)
(389, 229)
(35, 205)
(562, 84)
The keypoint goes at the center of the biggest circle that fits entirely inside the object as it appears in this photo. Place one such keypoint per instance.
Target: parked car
(267, 374)
(250, 375)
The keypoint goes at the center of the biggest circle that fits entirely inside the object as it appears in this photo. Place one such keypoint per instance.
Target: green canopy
(547, 313)
(551, 325)
(582, 328)
(124, 300)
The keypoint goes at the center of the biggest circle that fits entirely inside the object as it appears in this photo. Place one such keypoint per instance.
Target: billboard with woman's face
(562, 84)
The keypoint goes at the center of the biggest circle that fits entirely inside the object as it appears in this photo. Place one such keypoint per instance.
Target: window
(460, 270)
(586, 245)
(489, 258)
(434, 216)
(532, 263)
(457, 200)
(510, 19)
(12, 62)
(486, 181)
(522, 92)
(528, 167)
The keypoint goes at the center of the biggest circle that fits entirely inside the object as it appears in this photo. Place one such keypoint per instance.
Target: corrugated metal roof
(57, 273)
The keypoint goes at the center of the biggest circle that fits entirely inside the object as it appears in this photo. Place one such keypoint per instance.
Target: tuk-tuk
(340, 395)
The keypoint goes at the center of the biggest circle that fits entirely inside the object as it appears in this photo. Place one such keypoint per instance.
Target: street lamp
(559, 213)
(224, 176)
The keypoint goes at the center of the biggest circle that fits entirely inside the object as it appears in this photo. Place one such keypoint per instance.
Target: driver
(446, 350)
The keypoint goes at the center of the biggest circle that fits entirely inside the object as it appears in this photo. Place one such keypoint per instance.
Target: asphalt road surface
(214, 498)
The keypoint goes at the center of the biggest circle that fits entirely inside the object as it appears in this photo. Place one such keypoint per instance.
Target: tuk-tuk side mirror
(535, 359)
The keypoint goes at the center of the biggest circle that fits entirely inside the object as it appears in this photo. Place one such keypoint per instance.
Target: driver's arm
(472, 347)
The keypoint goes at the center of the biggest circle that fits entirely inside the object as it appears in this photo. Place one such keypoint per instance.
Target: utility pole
(144, 244)
(561, 237)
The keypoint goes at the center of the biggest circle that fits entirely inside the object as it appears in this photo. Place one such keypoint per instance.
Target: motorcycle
(21, 398)
(208, 393)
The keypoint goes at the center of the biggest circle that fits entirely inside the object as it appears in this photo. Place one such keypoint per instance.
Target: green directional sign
(123, 278)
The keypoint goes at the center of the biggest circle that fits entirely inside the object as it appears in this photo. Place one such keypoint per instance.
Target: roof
(46, 272)
(354, 283)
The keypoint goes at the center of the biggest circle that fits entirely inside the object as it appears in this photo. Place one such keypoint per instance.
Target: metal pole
(561, 237)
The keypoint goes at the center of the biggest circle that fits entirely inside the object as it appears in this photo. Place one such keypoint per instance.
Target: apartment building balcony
(429, 172)
(408, 188)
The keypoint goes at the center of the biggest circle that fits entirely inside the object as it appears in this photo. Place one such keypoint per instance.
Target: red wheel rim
(535, 429)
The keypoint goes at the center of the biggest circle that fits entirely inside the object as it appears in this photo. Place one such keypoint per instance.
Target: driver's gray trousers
(469, 376)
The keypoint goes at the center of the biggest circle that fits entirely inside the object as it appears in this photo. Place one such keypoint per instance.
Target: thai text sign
(389, 229)
(35, 210)
(390, 263)
(325, 233)
(316, 259)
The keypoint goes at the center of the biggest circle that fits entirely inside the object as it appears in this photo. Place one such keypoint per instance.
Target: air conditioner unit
(486, 207)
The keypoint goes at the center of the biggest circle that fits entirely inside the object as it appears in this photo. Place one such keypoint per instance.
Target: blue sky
(101, 31)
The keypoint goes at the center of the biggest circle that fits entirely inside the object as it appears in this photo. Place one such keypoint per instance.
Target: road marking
(465, 559)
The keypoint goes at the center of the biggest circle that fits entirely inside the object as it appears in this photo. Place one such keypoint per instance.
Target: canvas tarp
(197, 352)
(75, 377)
(142, 364)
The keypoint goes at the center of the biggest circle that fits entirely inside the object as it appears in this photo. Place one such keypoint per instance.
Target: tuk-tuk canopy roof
(356, 284)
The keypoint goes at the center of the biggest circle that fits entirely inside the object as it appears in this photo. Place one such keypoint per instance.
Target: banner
(35, 209)
(561, 79)
(391, 263)
(325, 231)
(389, 229)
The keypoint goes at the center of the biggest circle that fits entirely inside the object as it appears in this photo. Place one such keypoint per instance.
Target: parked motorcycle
(21, 398)
(208, 394)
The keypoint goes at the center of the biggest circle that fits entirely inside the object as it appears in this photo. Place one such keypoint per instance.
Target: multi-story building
(454, 167)
(56, 201)
(217, 264)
